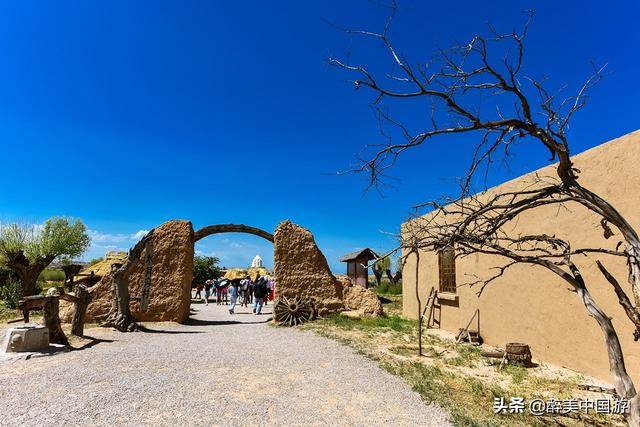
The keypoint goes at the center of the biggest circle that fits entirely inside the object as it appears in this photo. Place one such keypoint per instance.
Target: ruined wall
(301, 269)
(172, 272)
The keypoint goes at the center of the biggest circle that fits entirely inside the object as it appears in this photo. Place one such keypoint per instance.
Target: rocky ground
(217, 370)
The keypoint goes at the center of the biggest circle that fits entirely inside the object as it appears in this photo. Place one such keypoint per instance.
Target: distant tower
(257, 262)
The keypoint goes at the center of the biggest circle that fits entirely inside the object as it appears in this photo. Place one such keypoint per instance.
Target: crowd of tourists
(243, 292)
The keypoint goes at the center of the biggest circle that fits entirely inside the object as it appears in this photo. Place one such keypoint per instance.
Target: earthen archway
(231, 228)
(300, 266)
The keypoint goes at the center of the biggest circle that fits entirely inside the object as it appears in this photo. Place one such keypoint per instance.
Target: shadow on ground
(92, 342)
(148, 330)
(199, 322)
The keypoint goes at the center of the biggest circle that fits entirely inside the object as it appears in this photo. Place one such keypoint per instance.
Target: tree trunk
(397, 277)
(389, 275)
(28, 272)
(378, 274)
(29, 280)
(82, 299)
(121, 318)
(52, 320)
(621, 379)
(602, 207)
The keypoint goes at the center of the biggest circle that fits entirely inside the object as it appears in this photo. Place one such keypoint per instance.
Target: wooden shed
(357, 269)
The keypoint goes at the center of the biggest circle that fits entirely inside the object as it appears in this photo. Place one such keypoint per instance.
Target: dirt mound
(363, 301)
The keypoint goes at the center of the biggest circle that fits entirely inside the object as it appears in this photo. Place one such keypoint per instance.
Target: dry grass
(454, 376)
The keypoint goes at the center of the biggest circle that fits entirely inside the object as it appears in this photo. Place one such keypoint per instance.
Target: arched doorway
(235, 274)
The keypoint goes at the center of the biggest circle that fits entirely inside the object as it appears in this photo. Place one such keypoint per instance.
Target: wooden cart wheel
(292, 312)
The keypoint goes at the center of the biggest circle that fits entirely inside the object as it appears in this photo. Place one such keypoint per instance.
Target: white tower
(257, 262)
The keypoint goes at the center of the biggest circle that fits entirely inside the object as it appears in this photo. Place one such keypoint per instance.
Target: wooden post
(52, 320)
(82, 299)
(419, 303)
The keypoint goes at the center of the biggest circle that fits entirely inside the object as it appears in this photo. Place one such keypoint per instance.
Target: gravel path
(219, 370)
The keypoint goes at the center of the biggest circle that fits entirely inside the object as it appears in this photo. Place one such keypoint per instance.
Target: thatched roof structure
(235, 274)
(101, 268)
(256, 272)
(241, 273)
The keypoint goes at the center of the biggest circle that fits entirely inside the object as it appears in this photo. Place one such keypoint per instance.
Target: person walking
(260, 291)
(199, 289)
(244, 291)
(250, 293)
(207, 291)
(233, 296)
(272, 287)
(218, 286)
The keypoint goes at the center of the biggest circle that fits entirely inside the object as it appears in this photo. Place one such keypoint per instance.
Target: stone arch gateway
(301, 270)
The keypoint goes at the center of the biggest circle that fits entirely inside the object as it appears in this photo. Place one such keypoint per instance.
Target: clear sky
(130, 113)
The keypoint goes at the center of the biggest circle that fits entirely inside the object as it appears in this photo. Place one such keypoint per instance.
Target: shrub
(389, 288)
(51, 275)
(10, 294)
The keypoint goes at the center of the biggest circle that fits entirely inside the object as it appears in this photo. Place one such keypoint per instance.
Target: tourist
(271, 284)
(250, 293)
(207, 291)
(245, 284)
(199, 289)
(260, 291)
(233, 296)
(219, 291)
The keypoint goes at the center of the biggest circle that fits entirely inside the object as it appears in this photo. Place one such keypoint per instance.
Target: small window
(447, 267)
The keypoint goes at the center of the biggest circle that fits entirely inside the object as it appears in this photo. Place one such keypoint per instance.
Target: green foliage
(204, 268)
(51, 274)
(10, 294)
(395, 323)
(58, 237)
(389, 288)
(382, 264)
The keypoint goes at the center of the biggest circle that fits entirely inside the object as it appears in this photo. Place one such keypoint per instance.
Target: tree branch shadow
(145, 329)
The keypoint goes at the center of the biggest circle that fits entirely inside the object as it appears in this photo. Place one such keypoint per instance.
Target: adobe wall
(529, 304)
(302, 270)
(172, 273)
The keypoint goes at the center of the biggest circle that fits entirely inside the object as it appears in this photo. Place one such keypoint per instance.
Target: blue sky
(129, 113)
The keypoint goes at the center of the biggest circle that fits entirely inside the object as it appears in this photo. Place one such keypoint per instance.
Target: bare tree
(455, 84)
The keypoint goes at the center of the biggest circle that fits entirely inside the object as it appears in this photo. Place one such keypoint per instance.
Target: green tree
(204, 268)
(380, 266)
(28, 249)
